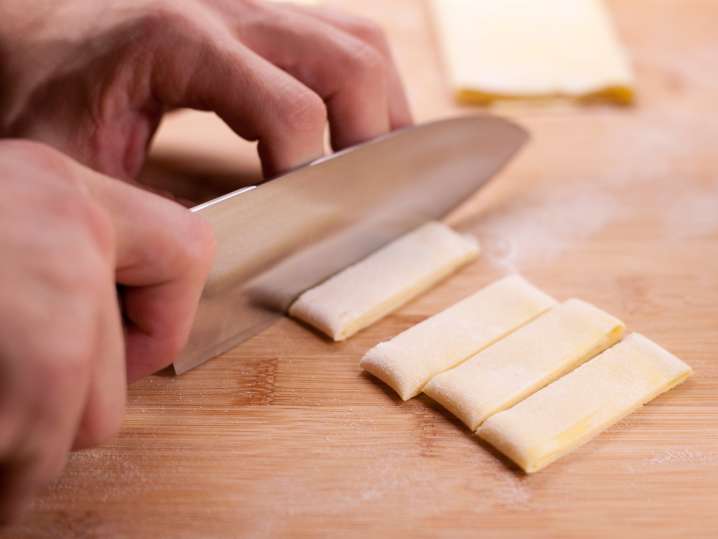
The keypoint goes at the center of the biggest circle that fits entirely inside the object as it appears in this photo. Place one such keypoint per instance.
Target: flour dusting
(543, 225)
(691, 214)
(680, 457)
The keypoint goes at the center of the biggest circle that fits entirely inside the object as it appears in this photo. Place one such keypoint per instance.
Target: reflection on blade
(289, 234)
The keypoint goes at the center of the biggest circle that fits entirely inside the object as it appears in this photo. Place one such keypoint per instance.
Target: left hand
(93, 79)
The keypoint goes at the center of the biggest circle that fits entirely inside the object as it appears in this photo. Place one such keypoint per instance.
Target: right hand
(67, 345)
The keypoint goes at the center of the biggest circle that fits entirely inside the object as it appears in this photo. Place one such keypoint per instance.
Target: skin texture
(93, 80)
(65, 353)
(99, 280)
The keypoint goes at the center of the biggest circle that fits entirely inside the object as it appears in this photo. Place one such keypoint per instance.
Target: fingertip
(101, 421)
(148, 354)
(273, 168)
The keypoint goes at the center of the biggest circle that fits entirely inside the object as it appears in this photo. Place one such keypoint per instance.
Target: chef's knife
(280, 238)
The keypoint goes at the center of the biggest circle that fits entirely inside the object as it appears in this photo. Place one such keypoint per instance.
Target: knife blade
(278, 239)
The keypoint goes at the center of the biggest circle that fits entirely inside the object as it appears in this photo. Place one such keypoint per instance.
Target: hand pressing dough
(574, 409)
(528, 49)
(367, 291)
(409, 360)
(525, 361)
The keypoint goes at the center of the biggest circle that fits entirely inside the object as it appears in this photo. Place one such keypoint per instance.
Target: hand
(67, 235)
(93, 79)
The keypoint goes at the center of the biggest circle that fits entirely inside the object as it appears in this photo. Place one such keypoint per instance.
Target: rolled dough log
(525, 361)
(409, 360)
(370, 289)
(529, 49)
(574, 409)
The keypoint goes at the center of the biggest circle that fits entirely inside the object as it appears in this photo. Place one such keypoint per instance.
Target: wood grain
(284, 436)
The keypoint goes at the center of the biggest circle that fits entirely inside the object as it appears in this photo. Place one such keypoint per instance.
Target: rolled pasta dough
(529, 49)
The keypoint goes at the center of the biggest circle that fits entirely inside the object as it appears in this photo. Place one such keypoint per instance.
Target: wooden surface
(284, 437)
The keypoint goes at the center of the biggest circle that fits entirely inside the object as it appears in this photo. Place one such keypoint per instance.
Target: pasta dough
(574, 409)
(528, 359)
(365, 292)
(409, 360)
(508, 49)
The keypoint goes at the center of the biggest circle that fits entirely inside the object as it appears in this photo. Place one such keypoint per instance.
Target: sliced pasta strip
(574, 409)
(409, 360)
(377, 285)
(525, 361)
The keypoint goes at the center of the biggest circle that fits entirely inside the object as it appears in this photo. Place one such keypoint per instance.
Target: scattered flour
(543, 225)
(680, 457)
(691, 214)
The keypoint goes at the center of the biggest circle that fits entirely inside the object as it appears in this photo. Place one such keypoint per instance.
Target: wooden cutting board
(284, 436)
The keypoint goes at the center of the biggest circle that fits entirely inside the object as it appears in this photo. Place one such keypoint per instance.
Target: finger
(163, 255)
(50, 343)
(372, 34)
(45, 422)
(347, 73)
(256, 99)
(107, 393)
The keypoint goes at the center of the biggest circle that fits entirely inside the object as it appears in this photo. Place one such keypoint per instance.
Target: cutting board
(285, 437)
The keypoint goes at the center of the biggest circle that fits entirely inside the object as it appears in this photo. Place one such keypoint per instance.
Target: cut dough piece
(367, 291)
(409, 360)
(526, 49)
(525, 361)
(574, 409)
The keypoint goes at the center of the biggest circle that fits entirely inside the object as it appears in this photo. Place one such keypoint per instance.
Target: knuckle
(190, 247)
(368, 31)
(83, 277)
(162, 16)
(160, 34)
(66, 362)
(198, 248)
(162, 24)
(306, 112)
(75, 209)
(364, 65)
(74, 283)
(99, 228)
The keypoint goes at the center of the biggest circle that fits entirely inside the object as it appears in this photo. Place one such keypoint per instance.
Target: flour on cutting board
(542, 222)
(100, 466)
(692, 213)
(679, 457)
(543, 225)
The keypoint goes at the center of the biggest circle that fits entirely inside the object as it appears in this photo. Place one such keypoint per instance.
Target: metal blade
(287, 235)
